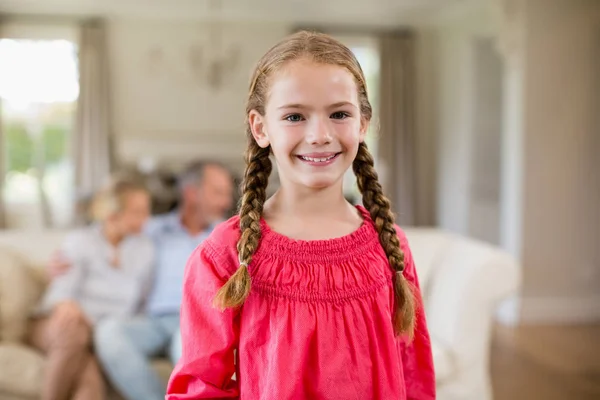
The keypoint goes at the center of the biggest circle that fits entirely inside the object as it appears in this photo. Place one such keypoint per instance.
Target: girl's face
(312, 122)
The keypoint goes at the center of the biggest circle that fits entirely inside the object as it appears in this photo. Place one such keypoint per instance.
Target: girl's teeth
(318, 159)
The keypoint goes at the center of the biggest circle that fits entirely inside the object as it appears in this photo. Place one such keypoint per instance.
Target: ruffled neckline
(277, 245)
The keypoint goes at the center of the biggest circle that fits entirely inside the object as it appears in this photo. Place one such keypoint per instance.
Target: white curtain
(2, 173)
(92, 136)
(2, 164)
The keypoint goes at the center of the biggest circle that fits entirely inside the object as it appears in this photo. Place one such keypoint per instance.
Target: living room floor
(546, 362)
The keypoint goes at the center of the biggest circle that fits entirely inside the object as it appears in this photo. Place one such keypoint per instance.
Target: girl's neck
(307, 203)
(320, 214)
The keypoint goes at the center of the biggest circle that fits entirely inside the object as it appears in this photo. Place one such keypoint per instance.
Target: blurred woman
(111, 265)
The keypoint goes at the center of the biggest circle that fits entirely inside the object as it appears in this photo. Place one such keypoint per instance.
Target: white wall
(163, 111)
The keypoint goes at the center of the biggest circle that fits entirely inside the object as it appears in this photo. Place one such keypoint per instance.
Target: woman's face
(136, 211)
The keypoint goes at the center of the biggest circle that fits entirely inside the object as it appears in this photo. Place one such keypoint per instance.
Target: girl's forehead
(304, 81)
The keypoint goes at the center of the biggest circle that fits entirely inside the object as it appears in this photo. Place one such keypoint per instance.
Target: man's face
(214, 195)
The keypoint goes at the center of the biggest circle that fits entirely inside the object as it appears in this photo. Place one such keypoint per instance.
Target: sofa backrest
(35, 245)
(428, 247)
(23, 255)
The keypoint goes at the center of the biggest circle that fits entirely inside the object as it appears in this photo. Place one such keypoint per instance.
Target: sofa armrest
(22, 371)
(470, 279)
(19, 292)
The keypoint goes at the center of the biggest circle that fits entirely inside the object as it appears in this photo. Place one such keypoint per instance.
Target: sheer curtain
(2, 167)
(2, 161)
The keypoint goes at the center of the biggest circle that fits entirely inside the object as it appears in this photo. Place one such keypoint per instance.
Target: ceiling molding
(377, 13)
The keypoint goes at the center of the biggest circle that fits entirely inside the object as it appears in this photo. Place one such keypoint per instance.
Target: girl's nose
(319, 133)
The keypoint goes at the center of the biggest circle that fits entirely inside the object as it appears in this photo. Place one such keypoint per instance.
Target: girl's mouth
(319, 159)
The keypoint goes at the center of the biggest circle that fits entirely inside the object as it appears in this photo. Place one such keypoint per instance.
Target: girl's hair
(322, 49)
(112, 198)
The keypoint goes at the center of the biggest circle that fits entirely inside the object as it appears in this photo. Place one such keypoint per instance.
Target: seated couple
(114, 298)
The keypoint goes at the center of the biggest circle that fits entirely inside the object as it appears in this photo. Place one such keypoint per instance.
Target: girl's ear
(364, 126)
(257, 125)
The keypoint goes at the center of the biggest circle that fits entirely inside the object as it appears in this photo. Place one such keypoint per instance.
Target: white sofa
(462, 282)
(23, 255)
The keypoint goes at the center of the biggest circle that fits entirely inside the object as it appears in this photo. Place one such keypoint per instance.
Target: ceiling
(340, 12)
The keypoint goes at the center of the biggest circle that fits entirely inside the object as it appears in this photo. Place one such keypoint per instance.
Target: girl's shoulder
(402, 237)
(404, 245)
(221, 244)
(226, 232)
(409, 264)
(399, 231)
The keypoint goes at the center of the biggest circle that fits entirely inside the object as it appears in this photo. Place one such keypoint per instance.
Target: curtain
(397, 137)
(92, 137)
(2, 163)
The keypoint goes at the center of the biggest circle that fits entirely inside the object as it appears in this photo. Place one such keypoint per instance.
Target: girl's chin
(319, 183)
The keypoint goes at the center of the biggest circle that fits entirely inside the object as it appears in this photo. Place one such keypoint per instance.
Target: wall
(446, 109)
(486, 149)
(165, 114)
(550, 169)
(561, 210)
(163, 110)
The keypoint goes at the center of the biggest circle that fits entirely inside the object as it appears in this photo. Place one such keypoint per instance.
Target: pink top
(316, 325)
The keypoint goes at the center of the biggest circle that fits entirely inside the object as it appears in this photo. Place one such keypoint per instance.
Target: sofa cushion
(427, 246)
(443, 362)
(18, 294)
(22, 370)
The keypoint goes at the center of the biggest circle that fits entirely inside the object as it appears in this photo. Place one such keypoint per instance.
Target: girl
(110, 269)
(321, 299)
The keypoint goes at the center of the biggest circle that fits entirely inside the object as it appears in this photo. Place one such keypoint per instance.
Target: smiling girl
(315, 298)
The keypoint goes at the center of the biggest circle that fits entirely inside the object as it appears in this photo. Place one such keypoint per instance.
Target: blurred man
(125, 347)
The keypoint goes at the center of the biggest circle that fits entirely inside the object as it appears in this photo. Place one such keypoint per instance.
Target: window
(38, 96)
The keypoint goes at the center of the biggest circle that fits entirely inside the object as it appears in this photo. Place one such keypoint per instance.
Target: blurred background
(486, 136)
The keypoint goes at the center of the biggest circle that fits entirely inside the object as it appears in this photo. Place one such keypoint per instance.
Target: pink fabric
(317, 323)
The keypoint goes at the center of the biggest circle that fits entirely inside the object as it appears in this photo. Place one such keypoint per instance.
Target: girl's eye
(340, 115)
(294, 118)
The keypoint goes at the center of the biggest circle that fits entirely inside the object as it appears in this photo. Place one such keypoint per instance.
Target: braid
(256, 178)
(379, 208)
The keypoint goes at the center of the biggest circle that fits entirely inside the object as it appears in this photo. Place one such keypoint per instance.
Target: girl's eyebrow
(302, 106)
(296, 105)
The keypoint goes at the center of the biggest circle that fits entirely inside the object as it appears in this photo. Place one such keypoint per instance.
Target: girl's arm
(209, 336)
(417, 358)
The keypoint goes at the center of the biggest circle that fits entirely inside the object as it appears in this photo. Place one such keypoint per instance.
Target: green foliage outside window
(21, 147)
